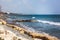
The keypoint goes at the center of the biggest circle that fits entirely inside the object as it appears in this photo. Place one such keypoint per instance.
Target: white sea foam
(49, 22)
(33, 17)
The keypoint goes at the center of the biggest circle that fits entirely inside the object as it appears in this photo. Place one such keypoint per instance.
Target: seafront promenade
(21, 33)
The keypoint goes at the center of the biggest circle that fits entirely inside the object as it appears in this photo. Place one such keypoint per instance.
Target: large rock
(3, 22)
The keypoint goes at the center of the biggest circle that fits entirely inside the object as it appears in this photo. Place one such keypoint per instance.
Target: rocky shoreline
(22, 31)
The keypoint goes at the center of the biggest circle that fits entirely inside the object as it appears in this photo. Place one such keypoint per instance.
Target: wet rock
(19, 39)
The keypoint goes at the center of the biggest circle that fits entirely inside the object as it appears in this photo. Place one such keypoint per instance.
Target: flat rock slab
(9, 34)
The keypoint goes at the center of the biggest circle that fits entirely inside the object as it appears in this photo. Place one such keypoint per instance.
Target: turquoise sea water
(46, 23)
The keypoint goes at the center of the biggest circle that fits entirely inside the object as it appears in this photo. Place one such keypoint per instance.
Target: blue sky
(31, 6)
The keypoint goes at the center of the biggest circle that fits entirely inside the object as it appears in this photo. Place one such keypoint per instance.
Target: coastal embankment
(25, 33)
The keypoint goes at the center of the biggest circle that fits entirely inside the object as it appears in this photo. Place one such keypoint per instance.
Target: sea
(49, 24)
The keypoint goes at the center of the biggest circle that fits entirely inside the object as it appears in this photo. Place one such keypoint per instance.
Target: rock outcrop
(33, 35)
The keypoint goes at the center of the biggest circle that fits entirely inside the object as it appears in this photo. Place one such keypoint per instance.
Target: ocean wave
(28, 28)
(49, 22)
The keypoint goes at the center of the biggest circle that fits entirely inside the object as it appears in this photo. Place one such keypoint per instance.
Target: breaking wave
(49, 22)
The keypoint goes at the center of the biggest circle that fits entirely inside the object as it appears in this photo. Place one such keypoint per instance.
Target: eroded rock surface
(9, 34)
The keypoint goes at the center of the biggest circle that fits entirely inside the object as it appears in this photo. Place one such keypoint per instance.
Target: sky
(31, 6)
